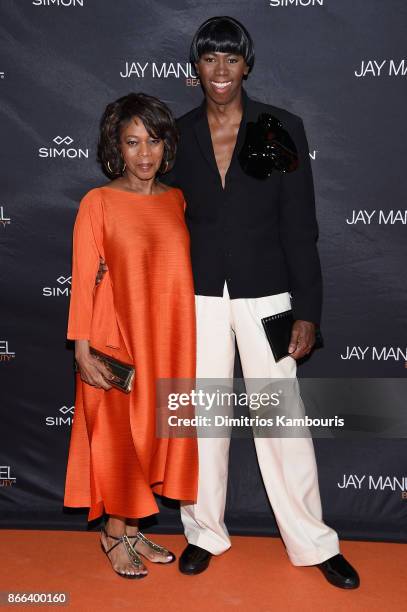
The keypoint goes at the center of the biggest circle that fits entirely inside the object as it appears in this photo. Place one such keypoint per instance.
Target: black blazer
(259, 235)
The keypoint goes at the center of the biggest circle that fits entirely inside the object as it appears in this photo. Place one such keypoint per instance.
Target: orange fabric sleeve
(87, 249)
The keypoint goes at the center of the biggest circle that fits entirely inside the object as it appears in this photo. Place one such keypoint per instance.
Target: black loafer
(339, 572)
(194, 560)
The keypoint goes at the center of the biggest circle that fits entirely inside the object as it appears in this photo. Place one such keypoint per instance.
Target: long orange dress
(142, 312)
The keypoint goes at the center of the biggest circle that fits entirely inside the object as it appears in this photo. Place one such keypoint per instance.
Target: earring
(166, 166)
(124, 167)
(109, 168)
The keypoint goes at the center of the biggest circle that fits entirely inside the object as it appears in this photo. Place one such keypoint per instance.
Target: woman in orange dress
(142, 313)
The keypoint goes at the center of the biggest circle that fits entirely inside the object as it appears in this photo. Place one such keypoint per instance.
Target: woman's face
(141, 152)
(221, 75)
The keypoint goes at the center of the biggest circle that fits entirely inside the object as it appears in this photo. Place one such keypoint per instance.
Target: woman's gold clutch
(123, 372)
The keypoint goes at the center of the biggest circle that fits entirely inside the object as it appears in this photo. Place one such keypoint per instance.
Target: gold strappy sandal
(139, 537)
(131, 553)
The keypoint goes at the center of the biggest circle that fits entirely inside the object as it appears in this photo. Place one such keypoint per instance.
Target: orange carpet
(254, 575)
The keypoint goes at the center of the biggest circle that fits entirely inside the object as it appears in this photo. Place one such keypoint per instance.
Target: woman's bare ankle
(115, 526)
(132, 527)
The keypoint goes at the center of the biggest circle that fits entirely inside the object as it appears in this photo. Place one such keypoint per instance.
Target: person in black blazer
(259, 235)
(254, 254)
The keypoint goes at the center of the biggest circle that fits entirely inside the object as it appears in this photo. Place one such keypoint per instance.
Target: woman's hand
(101, 271)
(92, 371)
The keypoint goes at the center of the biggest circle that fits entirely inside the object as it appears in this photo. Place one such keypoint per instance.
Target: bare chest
(223, 142)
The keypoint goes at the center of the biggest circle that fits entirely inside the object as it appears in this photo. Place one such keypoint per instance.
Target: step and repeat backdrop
(339, 64)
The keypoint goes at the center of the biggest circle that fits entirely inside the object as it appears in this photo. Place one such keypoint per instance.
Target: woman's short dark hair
(157, 119)
(222, 35)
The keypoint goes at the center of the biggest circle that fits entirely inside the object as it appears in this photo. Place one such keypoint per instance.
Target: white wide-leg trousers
(287, 464)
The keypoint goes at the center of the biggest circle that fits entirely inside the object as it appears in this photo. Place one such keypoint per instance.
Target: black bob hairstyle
(157, 119)
(222, 35)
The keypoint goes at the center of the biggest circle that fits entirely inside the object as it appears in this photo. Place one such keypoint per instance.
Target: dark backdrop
(341, 65)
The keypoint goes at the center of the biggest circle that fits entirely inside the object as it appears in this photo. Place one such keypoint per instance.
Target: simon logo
(61, 151)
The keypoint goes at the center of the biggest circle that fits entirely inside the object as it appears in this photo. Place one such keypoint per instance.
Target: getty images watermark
(208, 401)
(212, 407)
(281, 408)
